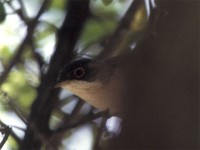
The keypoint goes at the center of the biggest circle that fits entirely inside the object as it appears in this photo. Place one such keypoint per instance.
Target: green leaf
(107, 2)
(95, 30)
(5, 54)
(18, 88)
(58, 4)
(2, 12)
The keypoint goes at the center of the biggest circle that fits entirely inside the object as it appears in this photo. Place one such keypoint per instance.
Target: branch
(27, 39)
(19, 12)
(47, 98)
(15, 58)
(114, 42)
(80, 121)
(43, 7)
(23, 10)
(102, 128)
(70, 117)
(17, 139)
(6, 131)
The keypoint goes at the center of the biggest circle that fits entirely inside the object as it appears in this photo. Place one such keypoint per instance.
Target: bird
(97, 82)
(151, 101)
(153, 88)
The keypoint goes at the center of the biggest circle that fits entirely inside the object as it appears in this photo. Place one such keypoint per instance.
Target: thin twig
(19, 12)
(43, 7)
(13, 106)
(37, 56)
(21, 48)
(17, 139)
(15, 59)
(77, 108)
(116, 39)
(18, 111)
(6, 131)
(68, 118)
(23, 9)
(80, 121)
(101, 129)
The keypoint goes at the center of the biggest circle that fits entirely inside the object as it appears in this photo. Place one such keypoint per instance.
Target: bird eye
(79, 72)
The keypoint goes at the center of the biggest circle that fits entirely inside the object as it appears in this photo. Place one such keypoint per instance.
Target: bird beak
(57, 84)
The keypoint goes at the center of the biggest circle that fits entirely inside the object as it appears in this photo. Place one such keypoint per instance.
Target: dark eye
(79, 72)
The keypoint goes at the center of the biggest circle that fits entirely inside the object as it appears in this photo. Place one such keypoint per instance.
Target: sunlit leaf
(58, 4)
(5, 54)
(18, 88)
(102, 11)
(95, 30)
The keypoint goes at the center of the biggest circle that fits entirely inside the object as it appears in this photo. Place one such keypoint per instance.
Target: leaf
(107, 2)
(58, 4)
(2, 12)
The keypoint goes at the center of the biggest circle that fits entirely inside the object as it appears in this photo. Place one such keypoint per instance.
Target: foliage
(2, 12)
(25, 59)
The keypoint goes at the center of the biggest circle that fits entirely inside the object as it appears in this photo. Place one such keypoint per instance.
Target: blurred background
(28, 39)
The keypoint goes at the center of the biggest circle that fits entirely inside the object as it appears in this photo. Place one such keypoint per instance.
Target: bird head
(91, 80)
(80, 74)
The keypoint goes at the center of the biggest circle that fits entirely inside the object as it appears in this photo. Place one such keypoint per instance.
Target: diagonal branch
(27, 39)
(115, 41)
(15, 58)
(46, 99)
(81, 121)
(10, 132)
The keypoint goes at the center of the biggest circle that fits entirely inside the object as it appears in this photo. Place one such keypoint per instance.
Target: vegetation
(37, 38)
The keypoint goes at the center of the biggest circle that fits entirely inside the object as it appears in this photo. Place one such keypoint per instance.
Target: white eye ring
(79, 72)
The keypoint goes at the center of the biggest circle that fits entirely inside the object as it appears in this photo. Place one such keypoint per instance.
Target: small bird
(152, 98)
(154, 89)
(97, 82)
